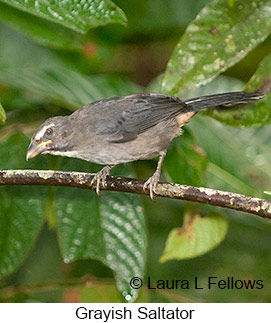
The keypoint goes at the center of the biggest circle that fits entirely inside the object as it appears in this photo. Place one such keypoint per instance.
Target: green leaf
(256, 114)
(76, 15)
(185, 161)
(21, 209)
(109, 228)
(44, 75)
(42, 31)
(220, 36)
(197, 236)
(2, 115)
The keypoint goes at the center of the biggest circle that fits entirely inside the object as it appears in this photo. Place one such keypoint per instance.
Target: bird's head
(52, 137)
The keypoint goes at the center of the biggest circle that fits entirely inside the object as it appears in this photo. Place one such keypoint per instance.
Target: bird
(124, 129)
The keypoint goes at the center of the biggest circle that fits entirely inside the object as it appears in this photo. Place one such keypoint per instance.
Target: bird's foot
(100, 178)
(151, 183)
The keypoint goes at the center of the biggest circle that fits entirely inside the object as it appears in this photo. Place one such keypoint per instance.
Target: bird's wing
(131, 115)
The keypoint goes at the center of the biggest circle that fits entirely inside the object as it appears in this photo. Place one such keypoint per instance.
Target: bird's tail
(227, 99)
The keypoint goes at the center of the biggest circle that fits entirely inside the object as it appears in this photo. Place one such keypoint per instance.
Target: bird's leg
(151, 183)
(100, 177)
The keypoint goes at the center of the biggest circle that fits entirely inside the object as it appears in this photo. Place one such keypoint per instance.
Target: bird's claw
(151, 184)
(100, 178)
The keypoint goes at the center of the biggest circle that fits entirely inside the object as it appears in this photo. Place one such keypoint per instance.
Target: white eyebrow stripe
(40, 134)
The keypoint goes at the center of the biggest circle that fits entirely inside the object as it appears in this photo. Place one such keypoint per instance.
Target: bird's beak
(36, 149)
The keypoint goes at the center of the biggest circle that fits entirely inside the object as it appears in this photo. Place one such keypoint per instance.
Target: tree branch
(229, 200)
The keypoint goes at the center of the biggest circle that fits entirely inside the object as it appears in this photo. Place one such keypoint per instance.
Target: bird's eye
(49, 131)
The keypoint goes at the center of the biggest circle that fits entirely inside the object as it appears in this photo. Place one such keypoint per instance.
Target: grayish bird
(124, 129)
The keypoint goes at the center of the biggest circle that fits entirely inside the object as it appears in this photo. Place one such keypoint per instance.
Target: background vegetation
(54, 58)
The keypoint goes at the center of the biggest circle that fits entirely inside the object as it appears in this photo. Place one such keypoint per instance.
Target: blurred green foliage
(52, 62)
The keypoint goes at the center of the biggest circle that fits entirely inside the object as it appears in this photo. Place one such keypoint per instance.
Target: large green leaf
(42, 74)
(21, 209)
(42, 31)
(76, 15)
(197, 236)
(110, 229)
(185, 162)
(220, 36)
(257, 114)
